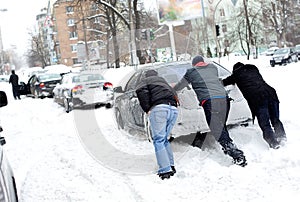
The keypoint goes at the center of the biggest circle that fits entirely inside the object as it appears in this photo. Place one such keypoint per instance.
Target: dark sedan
(83, 89)
(130, 116)
(8, 189)
(40, 85)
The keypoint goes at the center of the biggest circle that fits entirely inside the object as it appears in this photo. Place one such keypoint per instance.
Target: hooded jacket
(251, 84)
(154, 90)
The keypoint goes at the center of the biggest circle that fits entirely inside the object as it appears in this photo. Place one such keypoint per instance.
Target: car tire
(272, 64)
(119, 119)
(108, 105)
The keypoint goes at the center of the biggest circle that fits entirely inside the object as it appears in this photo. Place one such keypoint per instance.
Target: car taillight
(42, 85)
(107, 85)
(77, 88)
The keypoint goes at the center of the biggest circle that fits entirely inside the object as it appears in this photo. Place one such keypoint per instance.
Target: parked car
(297, 48)
(130, 116)
(283, 56)
(40, 85)
(271, 51)
(8, 189)
(4, 78)
(83, 89)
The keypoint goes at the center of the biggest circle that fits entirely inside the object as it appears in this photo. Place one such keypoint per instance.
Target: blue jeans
(267, 114)
(162, 119)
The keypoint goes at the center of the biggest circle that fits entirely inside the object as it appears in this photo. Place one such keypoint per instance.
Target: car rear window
(46, 77)
(87, 77)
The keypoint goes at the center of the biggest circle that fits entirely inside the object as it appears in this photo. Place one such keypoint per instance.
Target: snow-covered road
(82, 156)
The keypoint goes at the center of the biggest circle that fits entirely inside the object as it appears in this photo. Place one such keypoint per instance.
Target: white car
(271, 51)
(8, 189)
(83, 89)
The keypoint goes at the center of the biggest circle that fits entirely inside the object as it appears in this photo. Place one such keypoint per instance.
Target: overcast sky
(18, 20)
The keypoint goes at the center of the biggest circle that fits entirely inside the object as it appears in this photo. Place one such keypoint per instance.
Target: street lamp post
(1, 44)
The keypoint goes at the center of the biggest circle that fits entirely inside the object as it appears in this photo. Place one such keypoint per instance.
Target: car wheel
(272, 65)
(290, 60)
(67, 105)
(108, 105)
(119, 119)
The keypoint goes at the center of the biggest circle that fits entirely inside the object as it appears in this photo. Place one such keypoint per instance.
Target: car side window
(132, 83)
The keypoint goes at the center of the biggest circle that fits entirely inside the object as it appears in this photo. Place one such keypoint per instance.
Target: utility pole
(132, 45)
(1, 45)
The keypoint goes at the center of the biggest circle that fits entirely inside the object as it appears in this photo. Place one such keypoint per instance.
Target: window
(74, 47)
(71, 22)
(75, 61)
(94, 7)
(131, 85)
(224, 28)
(69, 9)
(73, 35)
(97, 20)
(222, 12)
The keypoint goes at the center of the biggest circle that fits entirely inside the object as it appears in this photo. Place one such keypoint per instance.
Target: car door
(134, 110)
(32, 84)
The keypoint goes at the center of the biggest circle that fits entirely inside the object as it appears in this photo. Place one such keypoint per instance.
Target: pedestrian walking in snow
(262, 100)
(158, 100)
(14, 80)
(213, 98)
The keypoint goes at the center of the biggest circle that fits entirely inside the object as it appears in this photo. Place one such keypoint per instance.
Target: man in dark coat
(158, 100)
(262, 100)
(213, 98)
(14, 80)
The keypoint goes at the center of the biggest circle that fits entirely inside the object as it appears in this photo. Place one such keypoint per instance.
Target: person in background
(14, 80)
(158, 100)
(213, 98)
(262, 100)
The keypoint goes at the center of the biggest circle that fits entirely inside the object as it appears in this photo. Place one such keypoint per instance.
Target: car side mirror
(118, 89)
(3, 99)
(2, 141)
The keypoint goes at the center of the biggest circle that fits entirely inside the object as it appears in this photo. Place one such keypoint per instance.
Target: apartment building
(76, 38)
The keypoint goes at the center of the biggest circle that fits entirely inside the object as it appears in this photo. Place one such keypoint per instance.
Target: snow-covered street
(82, 156)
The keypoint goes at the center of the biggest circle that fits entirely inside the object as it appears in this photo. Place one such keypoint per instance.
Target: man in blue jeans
(159, 101)
(262, 100)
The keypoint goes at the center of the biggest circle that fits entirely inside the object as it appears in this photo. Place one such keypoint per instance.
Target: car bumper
(93, 97)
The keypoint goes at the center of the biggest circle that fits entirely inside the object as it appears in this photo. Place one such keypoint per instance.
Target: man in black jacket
(262, 100)
(14, 80)
(213, 98)
(158, 100)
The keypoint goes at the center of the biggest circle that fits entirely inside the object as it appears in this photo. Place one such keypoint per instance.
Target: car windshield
(281, 51)
(87, 78)
(46, 77)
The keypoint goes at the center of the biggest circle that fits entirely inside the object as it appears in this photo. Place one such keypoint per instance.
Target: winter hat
(237, 65)
(197, 59)
(151, 73)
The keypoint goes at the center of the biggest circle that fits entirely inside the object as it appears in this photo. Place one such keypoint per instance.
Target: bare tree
(36, 55)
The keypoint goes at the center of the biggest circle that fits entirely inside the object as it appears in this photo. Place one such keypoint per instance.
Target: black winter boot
(237, 155)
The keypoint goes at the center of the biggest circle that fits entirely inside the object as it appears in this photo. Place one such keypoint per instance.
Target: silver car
(130, 116)
(283, 56)
(83, 89)
(8, 189)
